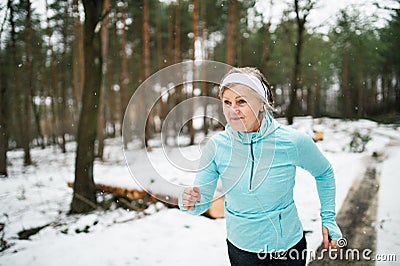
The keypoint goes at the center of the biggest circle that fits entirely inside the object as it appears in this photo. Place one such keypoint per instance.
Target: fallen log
(215, 211)
(318, 136)
(132, 194)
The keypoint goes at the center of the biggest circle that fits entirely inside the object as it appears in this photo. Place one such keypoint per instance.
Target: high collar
(268, 126)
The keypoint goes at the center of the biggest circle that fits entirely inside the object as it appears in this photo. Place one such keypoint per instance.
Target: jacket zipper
(252, 164)
(280, 224)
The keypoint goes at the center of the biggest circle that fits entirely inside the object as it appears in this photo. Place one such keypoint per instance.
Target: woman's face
(241, 108)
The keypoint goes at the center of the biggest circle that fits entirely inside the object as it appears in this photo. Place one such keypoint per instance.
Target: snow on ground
(388, 221)
(38, 195)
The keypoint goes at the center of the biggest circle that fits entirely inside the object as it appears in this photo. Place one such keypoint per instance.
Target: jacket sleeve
(310, 158)
(206, 179)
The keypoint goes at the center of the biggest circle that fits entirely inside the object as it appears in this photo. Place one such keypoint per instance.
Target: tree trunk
(36, 116)
(374, 92)
(265, 57)
(28, 87)
(104, 85)
(397, 92)
(124, 80)
(296, 81)
(160, 63)
(146, 63)
(317, 99)
(361, 91)
(16, 86)
(384, 86)
(391, 93)
(84, 198)
(77, 58)
(170, 44)
(54, 92)
(159, 38)
(345, 87)
(113, 97)
(231, 34)
(195, 19)
(266, 50)
(204, 90)
(63, 79)
(310, 103)
(46, 111)
(146, 40)
(178, 95)
(3, 119)
(178, 32)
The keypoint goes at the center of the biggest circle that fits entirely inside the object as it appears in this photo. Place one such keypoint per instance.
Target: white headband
(247, 80)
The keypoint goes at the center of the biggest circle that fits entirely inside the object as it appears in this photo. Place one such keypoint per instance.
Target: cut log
(319, 135)
(132, 194)
(215, 211)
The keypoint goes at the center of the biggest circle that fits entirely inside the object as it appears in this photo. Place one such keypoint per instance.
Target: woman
(256, 160)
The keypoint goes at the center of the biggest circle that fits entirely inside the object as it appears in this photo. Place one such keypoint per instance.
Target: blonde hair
(268, 100)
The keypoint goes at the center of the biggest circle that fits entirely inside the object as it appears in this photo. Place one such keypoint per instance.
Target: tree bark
(84, 198)
(170, 44)
(77, 58)
(104, 50)
(397, 92)
(361, 91)
(3, 119)
(163, 107)
(204, 90)
(195, 19)
(317, 99)
(178, 95)
(54, 92)
(159, 38)
(177, 58)
(124, 80)
(27, 112)
(146, 63)
(231, 34)
(296, 81)
(63, 79)
(265, 56)
(113, 97)
(15, 84)
(345, 87)
(146, 40)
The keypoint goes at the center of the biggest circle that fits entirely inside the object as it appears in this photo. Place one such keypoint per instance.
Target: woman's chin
(238, 126)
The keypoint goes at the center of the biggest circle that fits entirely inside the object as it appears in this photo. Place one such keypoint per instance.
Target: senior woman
(256, 159)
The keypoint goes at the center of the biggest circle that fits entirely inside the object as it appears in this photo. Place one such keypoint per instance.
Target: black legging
(295, 256)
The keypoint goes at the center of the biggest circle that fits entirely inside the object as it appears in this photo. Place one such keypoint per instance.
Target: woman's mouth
(236, 118)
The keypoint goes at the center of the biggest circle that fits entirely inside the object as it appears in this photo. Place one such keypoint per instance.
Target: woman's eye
(227, 102)
(242, 101)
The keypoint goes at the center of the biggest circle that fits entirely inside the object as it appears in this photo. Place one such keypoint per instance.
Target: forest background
(67, 72)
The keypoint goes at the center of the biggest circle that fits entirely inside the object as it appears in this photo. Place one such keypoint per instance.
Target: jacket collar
(268, 126)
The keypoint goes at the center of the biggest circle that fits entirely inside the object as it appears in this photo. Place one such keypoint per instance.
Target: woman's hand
(328, 242)
(190, 197)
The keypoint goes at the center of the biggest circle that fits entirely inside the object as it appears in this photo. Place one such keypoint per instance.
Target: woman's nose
(235, 108)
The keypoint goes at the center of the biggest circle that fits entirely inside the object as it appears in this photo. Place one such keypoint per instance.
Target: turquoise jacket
(257, 172)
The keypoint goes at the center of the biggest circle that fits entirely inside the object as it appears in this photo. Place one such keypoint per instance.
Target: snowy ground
(389, 209)
(38, 195)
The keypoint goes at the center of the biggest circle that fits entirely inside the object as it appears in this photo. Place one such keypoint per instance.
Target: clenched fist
(190, 197)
